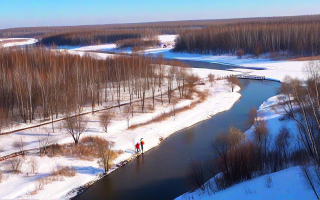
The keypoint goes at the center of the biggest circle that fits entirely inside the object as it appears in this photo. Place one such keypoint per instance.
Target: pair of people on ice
(140, 144)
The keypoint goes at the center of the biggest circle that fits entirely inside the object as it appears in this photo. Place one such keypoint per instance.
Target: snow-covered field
(261, 67)
(220, 99)
(21, 186)
(10, 42)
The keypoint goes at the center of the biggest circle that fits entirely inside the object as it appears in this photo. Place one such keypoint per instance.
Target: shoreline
(86, 186)
(220, 99)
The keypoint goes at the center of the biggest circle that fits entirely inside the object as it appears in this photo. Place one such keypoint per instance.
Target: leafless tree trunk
(105, 153)
(75, 126)
(105, 120)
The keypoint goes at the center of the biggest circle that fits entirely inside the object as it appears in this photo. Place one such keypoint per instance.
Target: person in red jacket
(142, 143)
(137, 147)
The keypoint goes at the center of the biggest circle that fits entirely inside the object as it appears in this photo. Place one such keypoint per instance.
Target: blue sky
(24, 13)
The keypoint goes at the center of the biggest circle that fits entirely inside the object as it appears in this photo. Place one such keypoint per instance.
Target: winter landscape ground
(220, 98)
(75, 101)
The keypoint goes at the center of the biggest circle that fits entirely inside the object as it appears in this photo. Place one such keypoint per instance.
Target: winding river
(161, 172)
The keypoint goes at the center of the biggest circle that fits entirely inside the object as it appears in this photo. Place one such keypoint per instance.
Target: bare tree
(3, 119)
(196, 174)
(105, 120)
(34, 165)
(211, 79)
(240, 53)
(19, 144)
(127, 114)
(309, 178)
(252, 117)
(44, 141)
(282, 144)
(233, 82)
(75, 126)
(105, 153)
(15, 164)
(261, 136)
(174, 102)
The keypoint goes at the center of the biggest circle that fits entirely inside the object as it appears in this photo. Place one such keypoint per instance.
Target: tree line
(41, 83)
(91, 37)
(169, 27)
(294, 37)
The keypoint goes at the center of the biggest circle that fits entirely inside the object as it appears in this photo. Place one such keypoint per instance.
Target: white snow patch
(167, 38)
(96, 47)
(286, 184)
(18, 42)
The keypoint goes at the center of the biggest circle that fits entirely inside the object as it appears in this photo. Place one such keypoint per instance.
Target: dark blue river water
(161, 172)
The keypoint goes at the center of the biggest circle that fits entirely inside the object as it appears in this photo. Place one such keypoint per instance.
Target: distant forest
(297, 36)
(91, 37)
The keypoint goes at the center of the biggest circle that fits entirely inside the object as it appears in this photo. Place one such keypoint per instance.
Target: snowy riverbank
(23, 185)
(286, 184)
(273, 70)
(10, 42)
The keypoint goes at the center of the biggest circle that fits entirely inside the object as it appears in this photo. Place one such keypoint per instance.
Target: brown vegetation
(87, 149)
(105, 120)
(105, 153)
(296, 36)
(233, 82)
(63, 171)
(43, 84)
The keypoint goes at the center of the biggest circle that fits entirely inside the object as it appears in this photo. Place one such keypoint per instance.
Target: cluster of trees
(239, 158)
(301, 103)
(142, 43)
(43, 83)
(295, 37)
(93, 37)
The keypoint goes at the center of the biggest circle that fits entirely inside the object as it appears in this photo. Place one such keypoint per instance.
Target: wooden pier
(246, 76)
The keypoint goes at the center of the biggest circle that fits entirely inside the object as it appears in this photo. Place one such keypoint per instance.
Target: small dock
(246, 76)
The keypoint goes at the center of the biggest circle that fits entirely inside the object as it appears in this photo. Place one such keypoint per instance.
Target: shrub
(39, 184)
(65, 171)
(15, 164)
